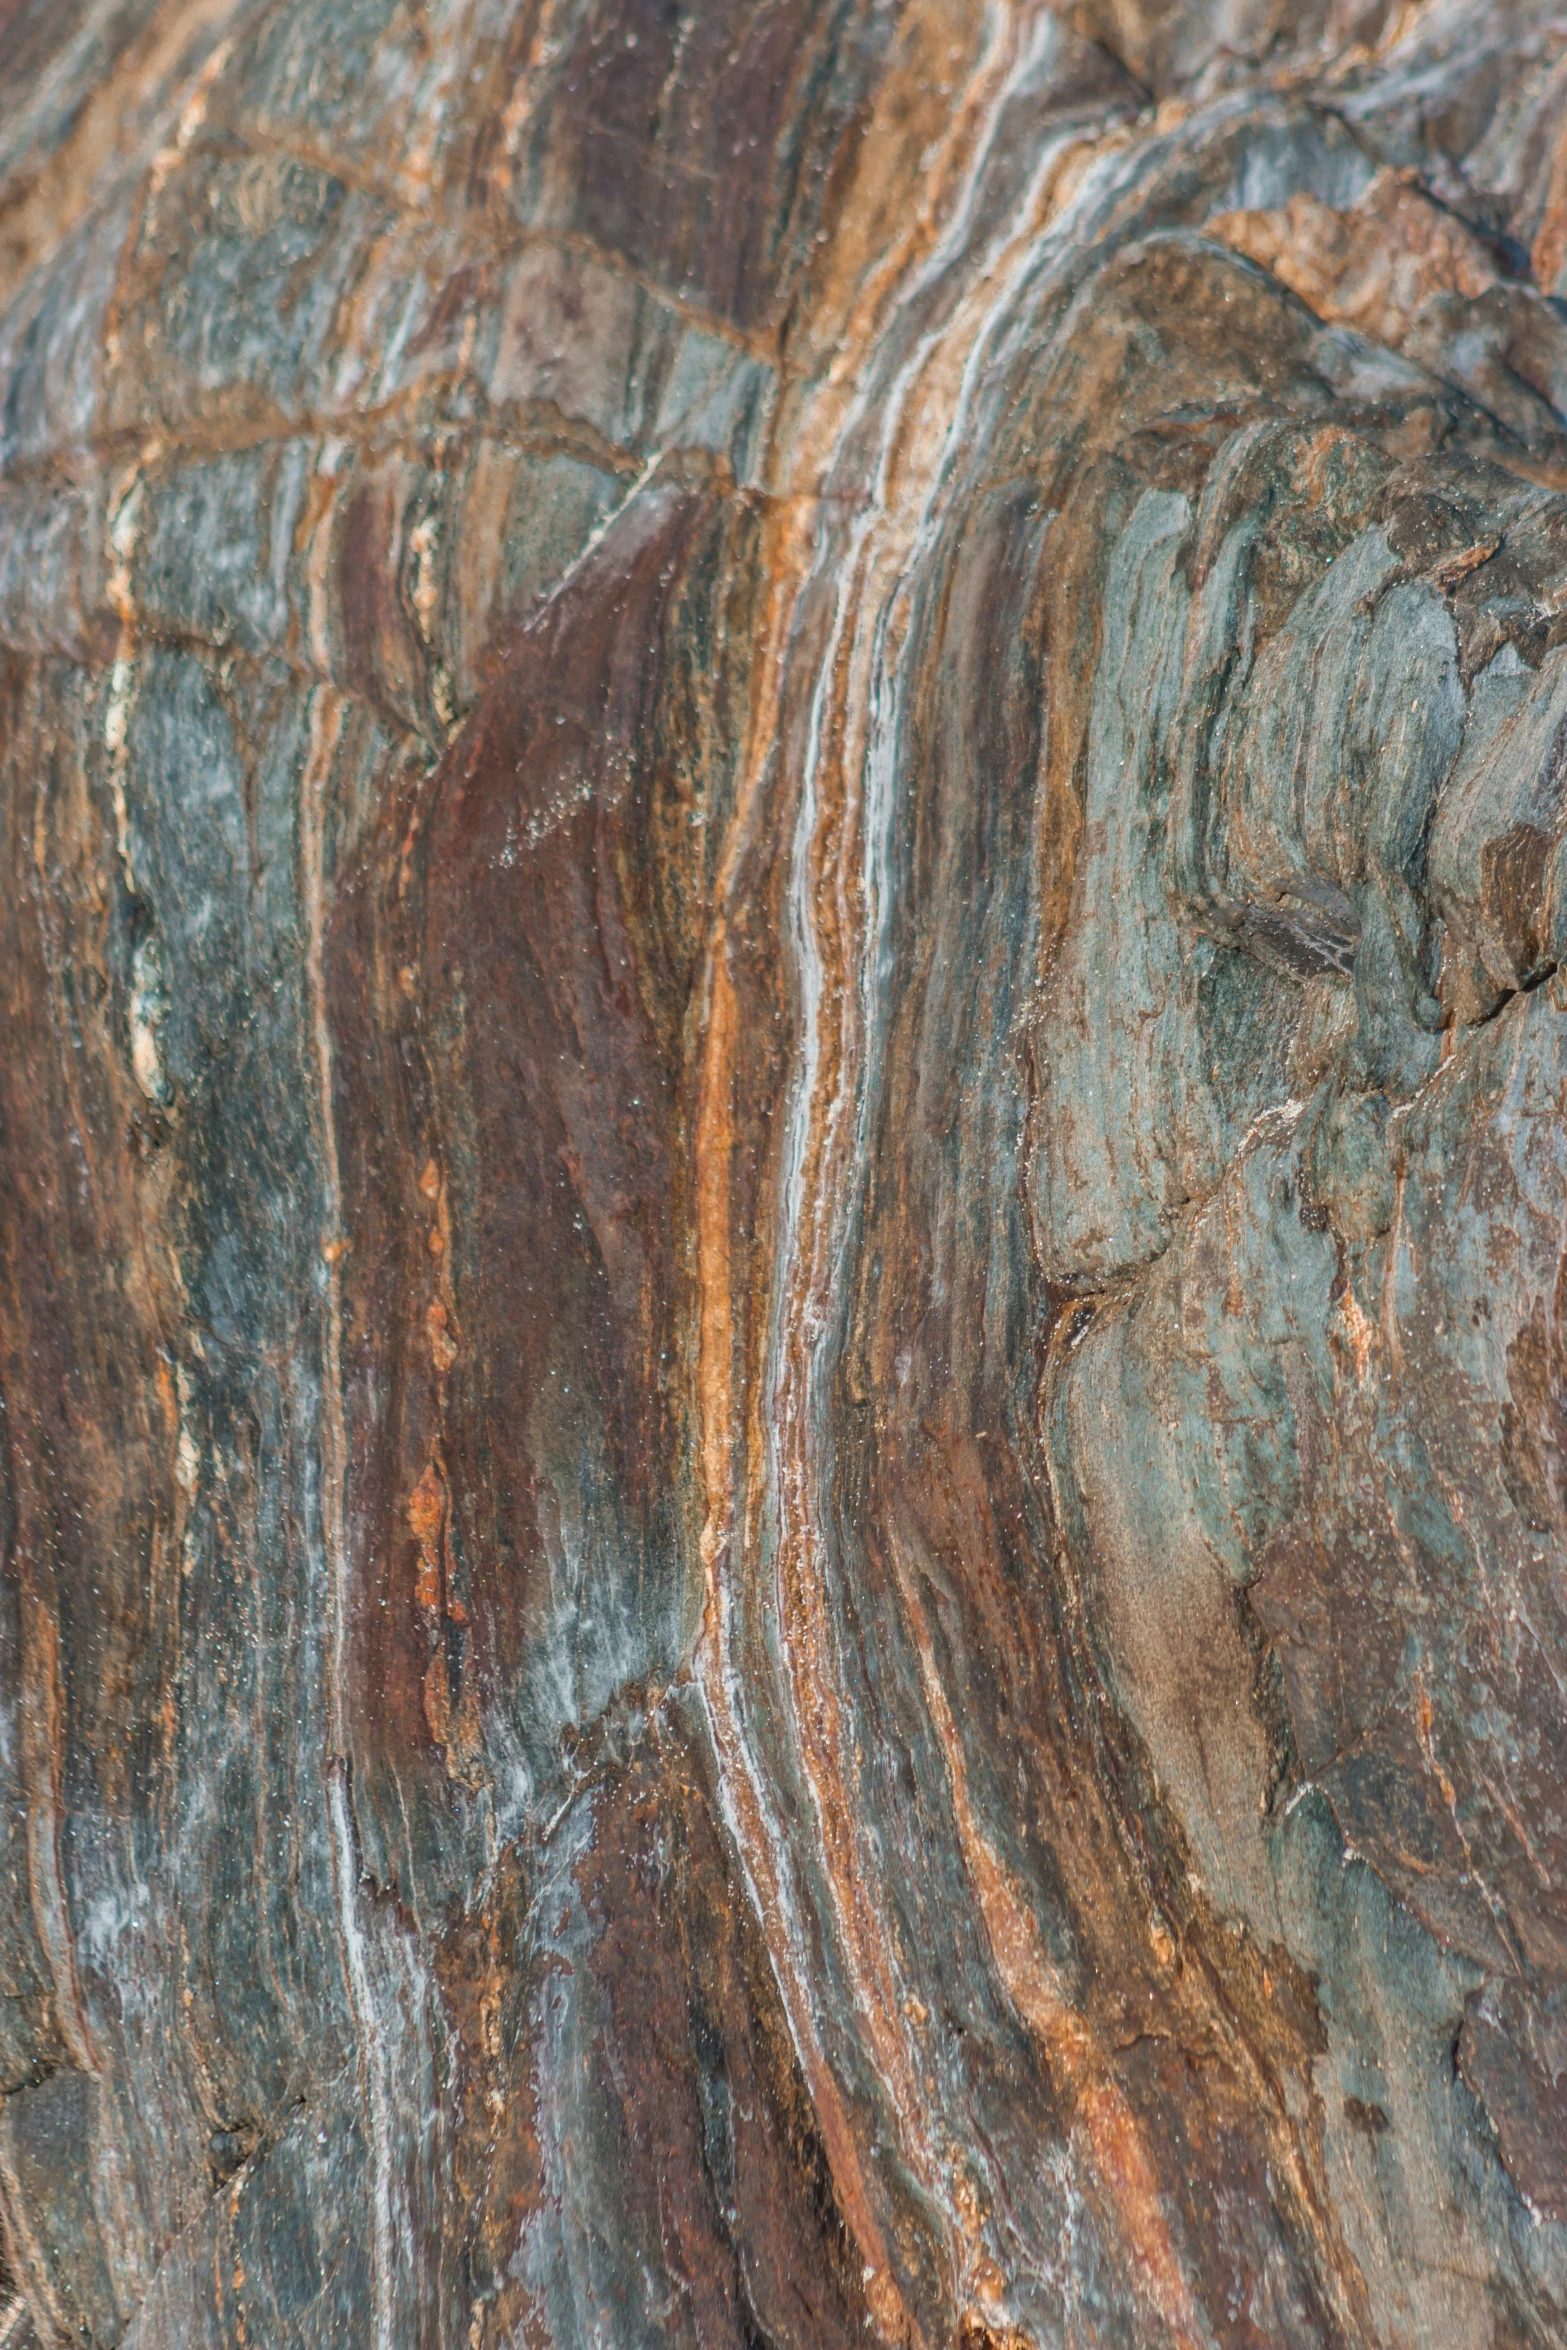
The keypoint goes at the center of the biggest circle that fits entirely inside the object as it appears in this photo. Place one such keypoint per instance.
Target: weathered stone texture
(783, 1161)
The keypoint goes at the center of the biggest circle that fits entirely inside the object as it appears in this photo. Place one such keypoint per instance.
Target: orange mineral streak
(1372, 267)
(714, 1661)
(1067, 2041)
(162, 77)
(715, 1348)
(443, 1345)
(835, 858)
(918, 146)
(832, 659)
(807, 1637)
(1549, 255)
(427, 1524)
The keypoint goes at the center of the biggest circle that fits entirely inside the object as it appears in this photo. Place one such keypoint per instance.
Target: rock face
(783, 1334)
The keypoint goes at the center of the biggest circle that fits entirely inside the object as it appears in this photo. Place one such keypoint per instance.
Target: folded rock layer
(783, 1335)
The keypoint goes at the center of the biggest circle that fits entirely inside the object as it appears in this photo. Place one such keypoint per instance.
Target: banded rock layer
(782, 1485)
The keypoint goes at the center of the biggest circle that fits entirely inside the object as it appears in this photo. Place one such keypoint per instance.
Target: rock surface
(783, 810)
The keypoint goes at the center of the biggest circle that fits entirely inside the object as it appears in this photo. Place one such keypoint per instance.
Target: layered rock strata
(783, 797)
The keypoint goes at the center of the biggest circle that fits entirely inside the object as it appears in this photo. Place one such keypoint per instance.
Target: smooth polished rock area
(783, 1174)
